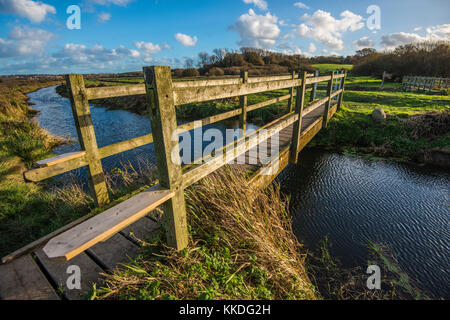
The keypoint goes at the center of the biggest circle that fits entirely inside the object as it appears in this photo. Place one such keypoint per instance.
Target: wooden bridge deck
(34, 277)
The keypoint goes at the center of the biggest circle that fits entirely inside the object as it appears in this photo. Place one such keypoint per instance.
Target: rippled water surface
(351, 200)
(356, 201)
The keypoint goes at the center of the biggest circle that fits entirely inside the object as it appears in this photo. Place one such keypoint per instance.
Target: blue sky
(124, 35)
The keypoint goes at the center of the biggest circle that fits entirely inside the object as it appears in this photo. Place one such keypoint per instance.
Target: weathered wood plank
(61, 158)
(299, 104)
(163, 119)
(102, 226)
(328, 103)
(87, 139)
(199, 94)
(60, 272)
(114, 251)
(114, 91)
(125, 145)
(267, 103)
(22, 279)
(341, 96)
(209, 120)
(28, 248)
(243, 102)
(39, 174)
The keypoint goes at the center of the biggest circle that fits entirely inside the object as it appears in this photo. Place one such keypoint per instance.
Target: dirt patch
(429, 125)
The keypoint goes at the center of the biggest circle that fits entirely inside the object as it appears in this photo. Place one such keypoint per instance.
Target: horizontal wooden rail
(267, 103)
(314, 106)
(114, 91)
(70, 161)
(335, 93)
(212, 119)
(104, 225)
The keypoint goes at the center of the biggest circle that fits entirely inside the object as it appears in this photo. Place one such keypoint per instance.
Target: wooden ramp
(35, 277)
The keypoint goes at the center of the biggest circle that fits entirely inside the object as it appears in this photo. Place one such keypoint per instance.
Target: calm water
(353, 201)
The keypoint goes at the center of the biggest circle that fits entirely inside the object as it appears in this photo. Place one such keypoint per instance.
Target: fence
(424, 83)
(163, 95)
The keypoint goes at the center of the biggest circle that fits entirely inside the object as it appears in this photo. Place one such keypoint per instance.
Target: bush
(254, 58)
(178, 73)
(214, 72)
(190, 72)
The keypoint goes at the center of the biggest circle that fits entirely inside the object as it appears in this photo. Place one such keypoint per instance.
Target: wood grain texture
(22, 279)
(102, 226)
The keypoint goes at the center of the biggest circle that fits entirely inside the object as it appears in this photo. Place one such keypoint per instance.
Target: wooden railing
(163, 95)
(424, 83)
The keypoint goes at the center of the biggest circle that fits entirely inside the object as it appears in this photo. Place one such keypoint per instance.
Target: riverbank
(416, 129)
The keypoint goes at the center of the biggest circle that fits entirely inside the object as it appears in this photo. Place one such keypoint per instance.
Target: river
(351, 200)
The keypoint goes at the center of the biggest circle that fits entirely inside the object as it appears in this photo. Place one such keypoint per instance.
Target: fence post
(243, 101)
(341, 95)
(299, 103)
(328, 103)
(158, 84)
(291, 92)
(314, 91)
(86, 136)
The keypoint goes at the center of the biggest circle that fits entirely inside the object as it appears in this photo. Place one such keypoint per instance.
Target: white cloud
(258, 3)
(312, 48)
(328, 30)
(255, 30)
(186, 40)
(364, 42)
(434, 33)
(301, 5)
(418, 28)
(24, 42)
(32, 10)
(104, 17)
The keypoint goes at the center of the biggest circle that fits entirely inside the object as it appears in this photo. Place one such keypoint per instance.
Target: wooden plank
(328, 103)
(315, 105)
(61, 158)
(317, 79)
(142, 230)
(28, 248)
(205, 83)
(267, 103)
(22, 279)
(189, 95)
(87, 139)
(59, 273)
(102, 226)
(114, 251)
(159, 88)
(341, 96)
(296, 134)
(125, 145)
(212, 119)
(314, 88)
(243, 102)
(114, 91)
(39, 174)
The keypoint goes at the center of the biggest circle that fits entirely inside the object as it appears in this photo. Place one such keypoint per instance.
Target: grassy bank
(405, 134)
(241, 247)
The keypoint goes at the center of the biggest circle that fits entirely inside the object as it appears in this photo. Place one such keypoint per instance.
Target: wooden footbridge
(94, 245)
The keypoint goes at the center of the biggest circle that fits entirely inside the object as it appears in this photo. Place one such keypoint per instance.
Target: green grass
(367, 81)
(324, 67)
(352, 130)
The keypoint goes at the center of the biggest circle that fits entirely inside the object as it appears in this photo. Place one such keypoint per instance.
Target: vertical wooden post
(299, 103)
(341, 95)
(158, 83)
(314, 91)
(86, 136)
(328, 103)
(243, 101)
(291, 92)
